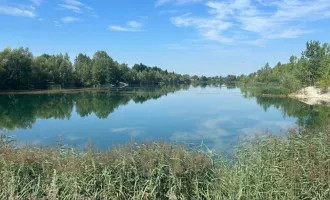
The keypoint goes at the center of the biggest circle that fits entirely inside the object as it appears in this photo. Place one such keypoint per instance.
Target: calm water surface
(218, 116)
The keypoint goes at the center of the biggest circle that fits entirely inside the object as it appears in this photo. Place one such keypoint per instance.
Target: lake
(218, 116)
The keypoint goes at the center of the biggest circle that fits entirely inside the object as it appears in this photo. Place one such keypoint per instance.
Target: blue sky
(202, 37)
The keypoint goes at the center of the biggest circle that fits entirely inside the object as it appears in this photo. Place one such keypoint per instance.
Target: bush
(274, 89)
(325, 83)
(290, 82)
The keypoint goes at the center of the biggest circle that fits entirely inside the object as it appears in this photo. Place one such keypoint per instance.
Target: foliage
(83, 70)
(20, 70)
(311, 69)
(325, 77)
(15, 68)
(325, 82)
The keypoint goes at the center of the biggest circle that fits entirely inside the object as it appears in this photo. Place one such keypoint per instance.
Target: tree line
(311, 69)
(19, 69)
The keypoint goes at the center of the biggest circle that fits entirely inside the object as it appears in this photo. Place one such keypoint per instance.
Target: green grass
(267, 167)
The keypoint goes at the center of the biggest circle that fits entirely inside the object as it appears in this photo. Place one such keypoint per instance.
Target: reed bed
(267, 167)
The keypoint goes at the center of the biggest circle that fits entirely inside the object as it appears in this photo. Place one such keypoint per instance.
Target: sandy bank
(312, 96)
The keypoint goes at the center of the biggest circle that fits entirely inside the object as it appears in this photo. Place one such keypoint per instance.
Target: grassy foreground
(268, 167)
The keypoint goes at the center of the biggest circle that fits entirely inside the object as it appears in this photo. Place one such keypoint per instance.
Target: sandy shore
(312, 96)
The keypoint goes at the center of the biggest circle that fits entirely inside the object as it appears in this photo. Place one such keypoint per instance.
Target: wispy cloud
(209, 28)
(171, 12)
(69, 19)
(132, 26)
(36, 2)
(120, 28)
(77, 3)
(228, 21)
(57, 24)
(16, 11)
(70, 7)
(74, 5)
(177, 2)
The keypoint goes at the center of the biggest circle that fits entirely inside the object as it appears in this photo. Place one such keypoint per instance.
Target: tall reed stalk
(269, 167)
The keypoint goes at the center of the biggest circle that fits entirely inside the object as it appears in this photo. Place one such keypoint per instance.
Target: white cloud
(177, 2)
(134, 24)
(36, 2)
(209, 28)
(15, 11)
(69, 19)
(57, 24)
(120, 28)
(70, 7)
(75, 6)
(289, 33)
(77, 3)
(255, 21)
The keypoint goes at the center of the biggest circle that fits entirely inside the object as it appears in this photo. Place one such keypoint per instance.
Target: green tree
(116, 71)
(293, 62)
(325, 78)
(102, 63)
(203, 79)
(140, 67)
(65, 69)
(290, 82)
(3, 62)
(314, 54)
(16, 68)
(83, 69)
(40, 71)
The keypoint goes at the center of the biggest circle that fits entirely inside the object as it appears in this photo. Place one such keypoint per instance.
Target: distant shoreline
(54, 91)
(68, 91)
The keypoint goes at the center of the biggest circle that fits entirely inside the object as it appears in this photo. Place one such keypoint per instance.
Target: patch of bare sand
(312, 96)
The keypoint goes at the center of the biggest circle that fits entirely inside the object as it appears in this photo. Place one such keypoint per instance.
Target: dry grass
(296, 167)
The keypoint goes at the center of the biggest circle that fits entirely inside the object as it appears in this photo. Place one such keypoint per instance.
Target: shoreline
(309, 95)
(53, 91)
(69, 91)
(312, 96)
